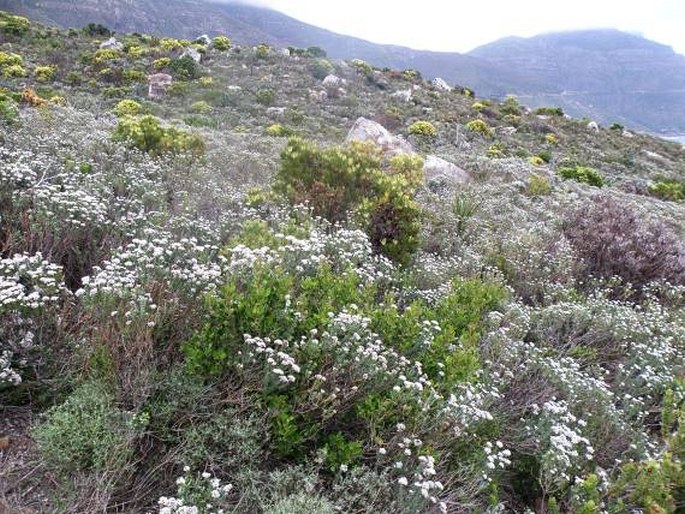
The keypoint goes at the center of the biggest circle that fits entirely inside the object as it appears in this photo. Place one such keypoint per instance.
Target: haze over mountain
(606, 75)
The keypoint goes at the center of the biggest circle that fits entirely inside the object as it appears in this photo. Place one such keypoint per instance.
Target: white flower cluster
(183, 266)
(471, 405)
(205, 487)
(68, 204)
(497, 457)
(17, 173)
(342, 248)
(423, 480)
(29, 282)
(560, 433)
(280, 364)
(7, 374)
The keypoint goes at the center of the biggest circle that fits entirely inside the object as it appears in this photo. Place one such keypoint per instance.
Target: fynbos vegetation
(210, 301)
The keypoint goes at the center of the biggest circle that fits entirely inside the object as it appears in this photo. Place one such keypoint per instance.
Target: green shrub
(423, 129)
(170, 44)
(201, 107)
(545, 156)
(337, 180)
(480, 127)
(266, 96)
(551, 139)
(128, 108)
(13, 25)
(148, 135)
(362, 66)
(538, 185)
(73, 78)
(130, 75)
(278, 130)
(671, 190)
(221, 43)
(44, 73)
(10, 59)
(97, 30)
(411, 75)
(14, 71)
(85, 433)
(340, 452)
(135, 51)
(496, 150)
(161, 63)
(581, 174)
(262, 51)
(617, 127)
(8, 112)
(549, 111)
(184, 68)
(105, 54)
(316, 51)
(510, 106)
(321, 68)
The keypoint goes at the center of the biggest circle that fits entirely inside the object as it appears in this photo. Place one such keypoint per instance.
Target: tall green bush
(147, 134)
(335, 181)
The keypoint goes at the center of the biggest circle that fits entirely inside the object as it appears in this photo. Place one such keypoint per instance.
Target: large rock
(112, 44)
(159, 84)
(367, 130)
(441, 84)
(593, 126)
(437, 169)
(204, 39)
(193, 54)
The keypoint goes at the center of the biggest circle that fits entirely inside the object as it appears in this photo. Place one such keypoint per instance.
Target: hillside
(602, 74)
(238, 280)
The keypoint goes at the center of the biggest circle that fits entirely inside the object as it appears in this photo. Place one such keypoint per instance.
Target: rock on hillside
(367, 130)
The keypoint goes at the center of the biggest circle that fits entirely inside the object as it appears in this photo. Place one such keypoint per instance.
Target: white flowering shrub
(162, 308)
(197, 493)
(7, 374)
(29, 282)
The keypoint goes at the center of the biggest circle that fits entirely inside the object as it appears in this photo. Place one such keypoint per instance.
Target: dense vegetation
(209, 303)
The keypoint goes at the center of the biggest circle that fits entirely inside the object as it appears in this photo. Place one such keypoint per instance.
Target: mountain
(605, 75)
(246, 25)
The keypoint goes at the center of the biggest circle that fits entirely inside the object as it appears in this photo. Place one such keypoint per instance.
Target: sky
(461, 25)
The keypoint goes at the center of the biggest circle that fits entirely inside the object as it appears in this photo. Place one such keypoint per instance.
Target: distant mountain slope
(246, 25)
(606, 75)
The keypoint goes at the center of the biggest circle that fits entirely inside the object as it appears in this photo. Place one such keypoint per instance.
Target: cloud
(461, 26)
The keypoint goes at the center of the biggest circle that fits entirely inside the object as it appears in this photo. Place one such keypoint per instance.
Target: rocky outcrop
(593, 126)
(437, 169)
(158, 85)
(367, 130)
(441, 85)
(193, 54)
(204, 39)
(111, 44)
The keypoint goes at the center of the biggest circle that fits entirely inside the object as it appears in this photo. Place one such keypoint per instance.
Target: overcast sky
(461, 25)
